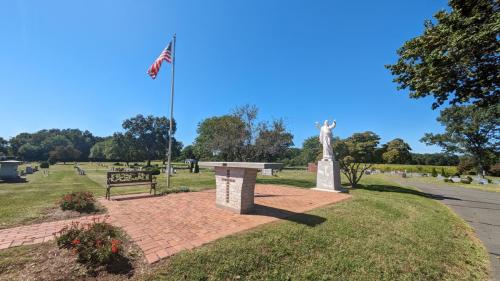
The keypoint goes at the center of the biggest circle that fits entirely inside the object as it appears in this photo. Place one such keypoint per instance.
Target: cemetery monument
(328, 171)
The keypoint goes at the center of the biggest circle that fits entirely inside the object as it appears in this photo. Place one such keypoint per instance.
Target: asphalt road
(481, 209)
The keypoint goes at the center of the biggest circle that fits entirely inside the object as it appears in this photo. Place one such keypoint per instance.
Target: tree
(123, 147)
(456, 58)
(355, 154)
(221, 138)
(469, 130)
(272, 141)
(150, 134)
(311, 150)
(248, 115)
(4, 146)
(187, 153)
(98, 151)
(64, 153)
(396, 152)
(29, 152)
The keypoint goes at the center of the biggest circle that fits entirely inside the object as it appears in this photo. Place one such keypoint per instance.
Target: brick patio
(163, 226)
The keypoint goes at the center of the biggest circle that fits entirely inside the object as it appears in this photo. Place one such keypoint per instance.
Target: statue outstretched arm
(334, 124)
(317, 125)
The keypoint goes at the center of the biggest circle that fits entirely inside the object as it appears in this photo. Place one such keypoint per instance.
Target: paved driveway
(481, 209)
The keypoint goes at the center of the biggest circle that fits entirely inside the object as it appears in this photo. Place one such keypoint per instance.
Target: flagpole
(169, 152)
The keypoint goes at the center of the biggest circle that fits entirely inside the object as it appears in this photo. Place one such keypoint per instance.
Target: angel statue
(325, 138)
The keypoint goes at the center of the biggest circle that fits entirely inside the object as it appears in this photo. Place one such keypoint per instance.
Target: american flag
(166, 55)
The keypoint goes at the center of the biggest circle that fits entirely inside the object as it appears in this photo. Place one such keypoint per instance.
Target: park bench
(129, 178)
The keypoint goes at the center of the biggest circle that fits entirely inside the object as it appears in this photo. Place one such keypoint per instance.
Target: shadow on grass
(399, 189)
(302, 218)
(292, 182)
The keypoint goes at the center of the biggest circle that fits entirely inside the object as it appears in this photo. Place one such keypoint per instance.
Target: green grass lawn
(385, 232)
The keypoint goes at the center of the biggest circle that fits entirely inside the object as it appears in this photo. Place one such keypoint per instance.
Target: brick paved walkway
(37, 233)
(163, 226)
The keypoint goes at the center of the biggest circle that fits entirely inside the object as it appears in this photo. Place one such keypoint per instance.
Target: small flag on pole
(166, 55)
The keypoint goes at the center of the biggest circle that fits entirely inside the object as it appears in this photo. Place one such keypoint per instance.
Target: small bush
(44, 165)
(447, 180)
(443, 172)
(95, 244)
(434, 172)
(82, 202)
(52, 161)
(117, 164)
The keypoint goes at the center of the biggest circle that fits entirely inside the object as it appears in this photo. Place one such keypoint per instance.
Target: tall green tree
(397, 151)
(273, 141)
(150, 134)
(469, 130)
(123, 147)
(30, 152)
(355, 154)
(64, 153)
(456, 57)
(221, 138)
(311, 150)
(4, 146)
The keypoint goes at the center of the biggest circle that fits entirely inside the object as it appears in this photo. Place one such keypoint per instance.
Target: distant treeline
(232, 137)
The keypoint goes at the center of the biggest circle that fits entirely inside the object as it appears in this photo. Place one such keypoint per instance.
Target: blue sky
(82, 64)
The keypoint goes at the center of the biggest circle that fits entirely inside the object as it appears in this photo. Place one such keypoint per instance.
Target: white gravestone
(267, 172)
(328, 175)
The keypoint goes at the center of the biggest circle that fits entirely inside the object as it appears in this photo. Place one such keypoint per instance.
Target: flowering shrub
(82, 202)
(95, 244)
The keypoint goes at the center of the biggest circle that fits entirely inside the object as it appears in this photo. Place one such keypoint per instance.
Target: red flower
(75, 242)
(115, 246)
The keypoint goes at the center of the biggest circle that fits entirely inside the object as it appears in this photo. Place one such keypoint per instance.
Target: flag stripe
(166, 55)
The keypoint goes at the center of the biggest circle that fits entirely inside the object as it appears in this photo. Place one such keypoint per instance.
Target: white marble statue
(325, 138)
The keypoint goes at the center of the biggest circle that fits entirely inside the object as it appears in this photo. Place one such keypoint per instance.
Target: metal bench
(130, 178)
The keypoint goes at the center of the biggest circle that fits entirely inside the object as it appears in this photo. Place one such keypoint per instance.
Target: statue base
(328, 177)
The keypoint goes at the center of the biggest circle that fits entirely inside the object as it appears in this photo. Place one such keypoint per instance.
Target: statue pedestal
(328, 177)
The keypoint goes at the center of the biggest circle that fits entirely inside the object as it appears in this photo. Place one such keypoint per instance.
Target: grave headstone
(267, 172)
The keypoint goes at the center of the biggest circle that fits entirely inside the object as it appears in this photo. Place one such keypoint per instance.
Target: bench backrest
(129, 177)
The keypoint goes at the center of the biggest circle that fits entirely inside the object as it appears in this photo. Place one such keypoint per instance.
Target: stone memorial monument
(235, 183)
(328, 174)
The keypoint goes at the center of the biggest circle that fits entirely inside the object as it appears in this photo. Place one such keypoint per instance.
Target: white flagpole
(169, 152)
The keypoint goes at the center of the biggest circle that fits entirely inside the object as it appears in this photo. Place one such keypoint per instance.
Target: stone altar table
(235, 183)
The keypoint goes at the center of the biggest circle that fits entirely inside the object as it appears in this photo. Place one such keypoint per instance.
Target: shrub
(52, 161)
(154, 171)
(117, 164)
(434, 172)
(466, 165)
(44, 165)
(97, 243)
(447, 180)
(443, 172)
(82, 202)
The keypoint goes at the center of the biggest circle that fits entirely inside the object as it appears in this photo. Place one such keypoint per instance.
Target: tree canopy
(355, 153)
(456, 57)
(469, 130)
(238, 137)
(148, 137)
(396, 151)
